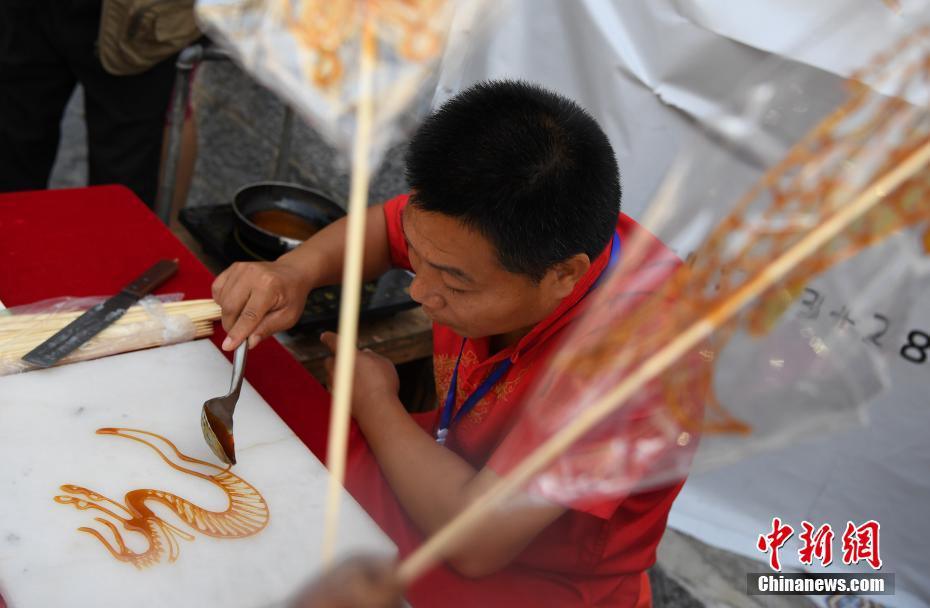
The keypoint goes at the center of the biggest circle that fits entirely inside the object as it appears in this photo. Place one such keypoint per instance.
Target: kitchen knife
(93, 321)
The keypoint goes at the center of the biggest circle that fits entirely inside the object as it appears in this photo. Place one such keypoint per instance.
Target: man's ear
(563, 276)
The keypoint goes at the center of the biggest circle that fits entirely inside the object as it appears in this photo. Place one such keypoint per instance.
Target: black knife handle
(153, 277)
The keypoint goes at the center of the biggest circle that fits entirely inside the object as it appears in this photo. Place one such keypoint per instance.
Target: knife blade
(94, 320)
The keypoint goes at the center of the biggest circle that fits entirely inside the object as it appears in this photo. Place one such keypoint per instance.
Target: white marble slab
(48, 424)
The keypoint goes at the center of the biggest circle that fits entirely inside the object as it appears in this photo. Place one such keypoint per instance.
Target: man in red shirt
(512, 220)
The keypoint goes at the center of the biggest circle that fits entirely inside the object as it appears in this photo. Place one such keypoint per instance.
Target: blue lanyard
(446, 420)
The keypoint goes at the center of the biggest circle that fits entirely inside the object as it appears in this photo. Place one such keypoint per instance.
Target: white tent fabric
(667, 78)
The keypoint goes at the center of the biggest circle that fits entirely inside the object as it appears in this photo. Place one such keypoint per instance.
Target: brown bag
(137, 34)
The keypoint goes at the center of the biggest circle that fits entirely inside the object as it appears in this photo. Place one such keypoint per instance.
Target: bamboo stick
(196, 309)
(28, 326)
(136, 329)
(351, 293)
(465, 522)
(19, 347)
(96, 348)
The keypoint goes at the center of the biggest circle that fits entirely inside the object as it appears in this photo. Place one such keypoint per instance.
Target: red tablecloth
(94, 241)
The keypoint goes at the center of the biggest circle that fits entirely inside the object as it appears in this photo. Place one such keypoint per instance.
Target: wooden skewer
(464, 523)
(351, 294)
(133, 338)
(19, 346)
(195, 309)
(135, 330)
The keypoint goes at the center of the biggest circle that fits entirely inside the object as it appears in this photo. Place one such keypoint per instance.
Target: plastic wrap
(737, 374)
(142, 326)
(308, 52)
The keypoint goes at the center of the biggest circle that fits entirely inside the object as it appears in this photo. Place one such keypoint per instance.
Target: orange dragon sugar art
(413, 29)
(328, 32)
(246, 515)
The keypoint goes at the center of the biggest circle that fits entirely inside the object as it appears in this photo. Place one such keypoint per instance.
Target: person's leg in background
(125, 123)
(125, 114)
(35, 85)
(187, 160)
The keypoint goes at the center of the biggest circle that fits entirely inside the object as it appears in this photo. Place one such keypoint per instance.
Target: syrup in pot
(284, 223)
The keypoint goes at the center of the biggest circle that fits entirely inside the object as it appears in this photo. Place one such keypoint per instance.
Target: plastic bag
(674, 346)
(307, 52)
(142, 326)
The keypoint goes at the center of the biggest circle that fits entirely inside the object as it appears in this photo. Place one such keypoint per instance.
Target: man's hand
(433, 483)
(258, 299)
(359, 582)
(375, 382)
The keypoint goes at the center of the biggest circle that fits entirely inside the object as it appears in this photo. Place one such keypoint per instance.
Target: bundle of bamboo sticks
(139, 328)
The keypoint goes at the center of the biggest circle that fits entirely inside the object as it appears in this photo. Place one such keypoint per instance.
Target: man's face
(462, 285)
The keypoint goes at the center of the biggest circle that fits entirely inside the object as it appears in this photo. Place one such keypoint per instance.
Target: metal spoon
(216, 418)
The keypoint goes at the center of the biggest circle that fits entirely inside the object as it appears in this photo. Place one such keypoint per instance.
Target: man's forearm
(320, 258)
(434, 484)
(430, 481)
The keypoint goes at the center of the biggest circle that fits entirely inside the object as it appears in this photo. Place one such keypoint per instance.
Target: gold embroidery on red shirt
(501, 391)
(442, 374)
(443, 366)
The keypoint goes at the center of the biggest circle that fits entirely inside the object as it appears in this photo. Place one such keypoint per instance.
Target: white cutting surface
(48, 421)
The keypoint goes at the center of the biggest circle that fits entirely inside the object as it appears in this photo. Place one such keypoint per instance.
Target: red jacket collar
(567, 310)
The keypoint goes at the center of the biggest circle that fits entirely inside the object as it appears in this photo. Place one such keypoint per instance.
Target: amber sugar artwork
(410, 27)
(327, 30)
(246, 515)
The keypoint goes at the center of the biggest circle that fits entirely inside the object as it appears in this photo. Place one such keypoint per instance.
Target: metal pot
(275, 217)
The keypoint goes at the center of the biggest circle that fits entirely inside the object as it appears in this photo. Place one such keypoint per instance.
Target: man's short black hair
(528, 169)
